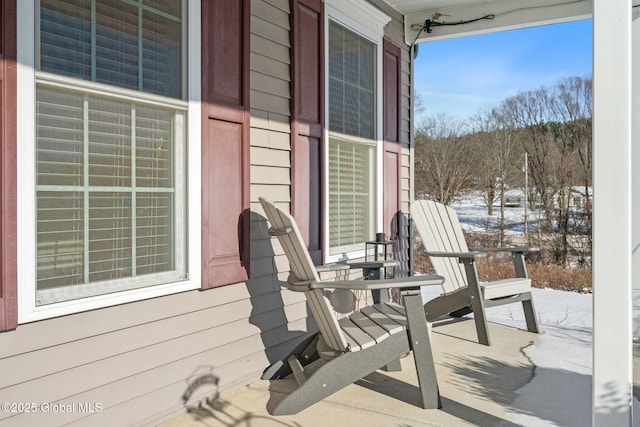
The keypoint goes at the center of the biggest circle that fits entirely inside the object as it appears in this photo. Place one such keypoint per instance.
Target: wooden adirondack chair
(357, 345)
(442, 237)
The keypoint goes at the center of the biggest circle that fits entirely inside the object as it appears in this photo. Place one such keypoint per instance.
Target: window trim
(368, 22)
(26, 230)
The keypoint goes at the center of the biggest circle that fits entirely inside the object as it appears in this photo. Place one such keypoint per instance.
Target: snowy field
(473, 214)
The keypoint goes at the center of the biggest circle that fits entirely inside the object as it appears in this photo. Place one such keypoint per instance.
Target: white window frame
(367, 21)
(26, 85)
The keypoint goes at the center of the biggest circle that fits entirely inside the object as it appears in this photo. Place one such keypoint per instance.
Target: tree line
(486, 153)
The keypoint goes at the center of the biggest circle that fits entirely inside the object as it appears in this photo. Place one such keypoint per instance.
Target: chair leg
(527, 305)
(422, 353)
(530, 315)
(477, 303)
(482, 328)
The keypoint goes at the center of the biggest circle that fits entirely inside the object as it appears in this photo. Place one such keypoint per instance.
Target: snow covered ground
(472, 212)
(560, 392)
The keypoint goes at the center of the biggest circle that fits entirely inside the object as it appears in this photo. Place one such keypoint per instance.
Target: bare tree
(497, 153)
(531, 112)
(485, 170)
(443, 159)
(573, 109)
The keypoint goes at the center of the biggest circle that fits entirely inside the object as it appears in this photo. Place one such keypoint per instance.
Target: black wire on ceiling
(430, 23)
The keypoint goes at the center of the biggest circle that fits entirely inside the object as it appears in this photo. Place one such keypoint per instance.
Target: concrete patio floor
(477, 386)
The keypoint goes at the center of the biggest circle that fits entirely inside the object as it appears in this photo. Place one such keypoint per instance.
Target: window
(134, 44)
(352, 62)
(351, 202)
(354, 126)
(111, 115)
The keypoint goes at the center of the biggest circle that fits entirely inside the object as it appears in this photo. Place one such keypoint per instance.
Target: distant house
(136, 274)
(578, 198)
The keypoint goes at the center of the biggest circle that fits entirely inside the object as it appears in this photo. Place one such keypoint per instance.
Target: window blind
(351, 83)
(129, 44)
(106, 196)
(350, 194)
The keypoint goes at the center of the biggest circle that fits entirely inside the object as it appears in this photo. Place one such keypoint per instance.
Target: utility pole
(526, 196)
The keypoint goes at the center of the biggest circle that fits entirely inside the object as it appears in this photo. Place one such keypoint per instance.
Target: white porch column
(635, 174)
(612, 362)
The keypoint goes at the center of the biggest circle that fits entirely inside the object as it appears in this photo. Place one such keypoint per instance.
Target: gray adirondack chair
(444, 242)
(357, 345)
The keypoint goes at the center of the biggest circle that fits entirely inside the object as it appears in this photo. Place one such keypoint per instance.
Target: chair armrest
(402, 282)
(461, 255)
(373, 264)
(334, 266)
(516, 249)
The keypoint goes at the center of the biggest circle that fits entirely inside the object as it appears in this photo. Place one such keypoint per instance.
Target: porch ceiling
(487, 16)
(410, 6)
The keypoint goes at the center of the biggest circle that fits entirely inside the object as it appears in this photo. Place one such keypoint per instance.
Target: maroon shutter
(8, 168)
(391, 132)
(225, 141)
(306, 122)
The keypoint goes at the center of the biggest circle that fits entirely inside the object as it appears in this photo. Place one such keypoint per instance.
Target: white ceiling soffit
(410, 6)
(464, 18)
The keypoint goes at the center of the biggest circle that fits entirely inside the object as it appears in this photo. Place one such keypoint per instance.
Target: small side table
(371, 270)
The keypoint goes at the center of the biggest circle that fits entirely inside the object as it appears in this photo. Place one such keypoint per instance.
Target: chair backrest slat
(440, 231)
(285, 229)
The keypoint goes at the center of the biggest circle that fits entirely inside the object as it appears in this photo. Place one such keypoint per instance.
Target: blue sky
(460, 76)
